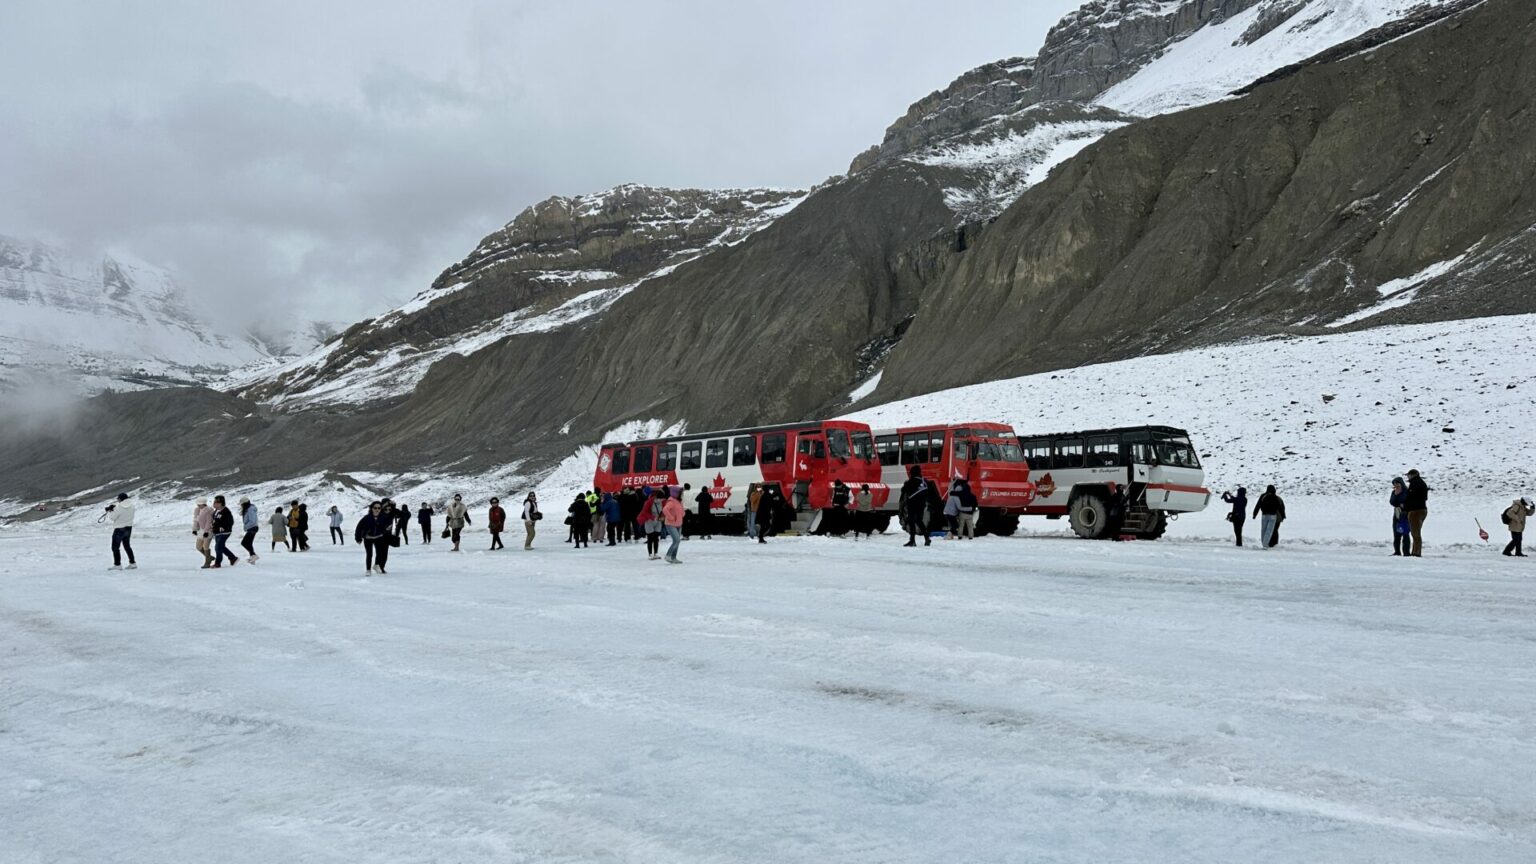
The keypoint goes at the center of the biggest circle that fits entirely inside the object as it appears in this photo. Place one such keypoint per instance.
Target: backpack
(1505, 517)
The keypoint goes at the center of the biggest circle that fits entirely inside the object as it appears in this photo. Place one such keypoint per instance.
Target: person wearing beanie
(1416, 505)
(202, 529)
(1239, 514)
(120, 515)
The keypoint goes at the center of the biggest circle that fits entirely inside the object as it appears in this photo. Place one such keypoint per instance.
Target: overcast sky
(328, 158)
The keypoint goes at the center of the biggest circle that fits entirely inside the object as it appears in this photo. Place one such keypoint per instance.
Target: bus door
(810, 468)
(962, 459)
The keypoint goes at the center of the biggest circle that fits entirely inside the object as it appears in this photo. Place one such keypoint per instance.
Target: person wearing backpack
(531, 516)
(1514, 518)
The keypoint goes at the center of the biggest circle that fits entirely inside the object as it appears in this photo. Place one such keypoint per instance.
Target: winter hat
(1526, 501)
(202, 502)
(1397, 480)
(122, 496)
(1413, 472)
(244, 500)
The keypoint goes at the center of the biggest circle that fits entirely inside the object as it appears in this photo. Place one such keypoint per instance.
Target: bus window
(1037, 454)
(813, 447)
(666, 457)
(863, 446)
(715, 453)
(936, 447)
(773, 448)
(987, 451)
(914, 448)
(1177, 453)
(693, 453)
(1103, 450)
(1011, 451)
(837, 443)
(889, 449)
(621, 461)
(1069, 453)
(744, 451)
(642, 460)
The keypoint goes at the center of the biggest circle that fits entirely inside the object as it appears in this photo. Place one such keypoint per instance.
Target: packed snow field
(1023, 699)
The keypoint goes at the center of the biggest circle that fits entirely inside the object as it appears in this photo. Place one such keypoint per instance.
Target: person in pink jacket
(672, 522)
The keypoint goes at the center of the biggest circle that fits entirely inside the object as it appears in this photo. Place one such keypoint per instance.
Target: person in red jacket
(497, 522)
(672, 521)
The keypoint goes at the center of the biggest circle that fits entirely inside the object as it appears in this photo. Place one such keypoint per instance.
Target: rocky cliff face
(558, 262)
(1380, 188)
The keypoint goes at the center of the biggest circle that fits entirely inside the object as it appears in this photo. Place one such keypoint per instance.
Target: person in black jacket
(767, 512)
(373, 533)
(1239, 514)
(1402, 542)
(917, 496)
(303, 537)
(581, 520)
(403, 523)
(223, 526)
(703, 523)
(1416, 505)
(1273, 510)
(837, 518)
(424, 517)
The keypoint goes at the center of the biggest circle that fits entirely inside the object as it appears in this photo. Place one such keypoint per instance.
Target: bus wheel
(883, 522)
(1158, 528)
(1089, 514)
(1003, 524)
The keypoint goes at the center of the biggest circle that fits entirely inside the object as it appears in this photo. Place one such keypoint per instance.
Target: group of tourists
(650, 513)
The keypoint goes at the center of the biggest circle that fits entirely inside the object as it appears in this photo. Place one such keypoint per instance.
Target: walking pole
(1480, 532)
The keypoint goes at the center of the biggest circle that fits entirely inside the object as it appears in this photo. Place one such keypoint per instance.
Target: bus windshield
(863, 446)
(1174, 451)
(837, 443)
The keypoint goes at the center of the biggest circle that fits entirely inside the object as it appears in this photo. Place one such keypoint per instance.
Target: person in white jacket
(531, 516)
(121, 515)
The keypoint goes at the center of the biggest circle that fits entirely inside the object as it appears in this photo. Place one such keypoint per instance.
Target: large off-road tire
(1003, 524)
(1159, 527)
(882, 522)
(1089, 514)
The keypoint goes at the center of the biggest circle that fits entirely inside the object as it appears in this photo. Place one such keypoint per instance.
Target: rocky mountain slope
(1252, 215)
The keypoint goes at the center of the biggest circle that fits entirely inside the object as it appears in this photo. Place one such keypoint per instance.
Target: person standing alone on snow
(202, 529)
(1273, 510)
(1417, 506)
(424, 517)
(403, 523)
(250, 523)
(1514, 517)
(915, 501)
(223, 526)
(121, 515)
(705, 519)
(531, 516)
(1239, 514)
(337, 537)
(1402, 543)
(496, 520)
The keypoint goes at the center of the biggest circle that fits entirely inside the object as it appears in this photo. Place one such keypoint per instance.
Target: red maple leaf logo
(1046, 487)
(719, 481)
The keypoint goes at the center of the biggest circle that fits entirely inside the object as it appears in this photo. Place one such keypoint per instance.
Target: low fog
(297, 161)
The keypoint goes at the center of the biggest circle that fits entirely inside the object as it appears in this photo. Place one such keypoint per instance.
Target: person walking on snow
(531, 516)
(223, 526)
(496, 520)
(424, 518)
(915, 496)
(1239, 514)
(754, 497)
(1514, 517)
(457, 516)
(279, 524)
(202, 529)
(250, 523)
(653, 516)
(1273, 510)
(337, 537)
(403, 523)
(1402, 542)
(1417, 506)
(767, 512)
(864, 512)
(952, 512)
(373, 533)
(120, 515)
(672, 513)
(302, 538)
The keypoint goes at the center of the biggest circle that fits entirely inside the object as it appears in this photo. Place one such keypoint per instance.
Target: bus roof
(805, 426)
(986, 425)
(1118, 430)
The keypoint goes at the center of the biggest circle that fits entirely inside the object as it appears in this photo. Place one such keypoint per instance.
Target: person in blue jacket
(1402, 539)
(1239, 512)
(612, 516)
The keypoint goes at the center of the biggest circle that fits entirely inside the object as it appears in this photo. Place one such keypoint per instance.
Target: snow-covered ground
(1027, 699)
(1329, 415)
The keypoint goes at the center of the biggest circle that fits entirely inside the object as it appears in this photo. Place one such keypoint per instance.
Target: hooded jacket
(1418, 495)
(372, 527)
(1517, 513)
(122, 514)
(250, 520)
(202, 520)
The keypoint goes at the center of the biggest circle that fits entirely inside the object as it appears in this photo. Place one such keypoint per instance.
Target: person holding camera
(531, 516)
(121, 520)
(1239, 514)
